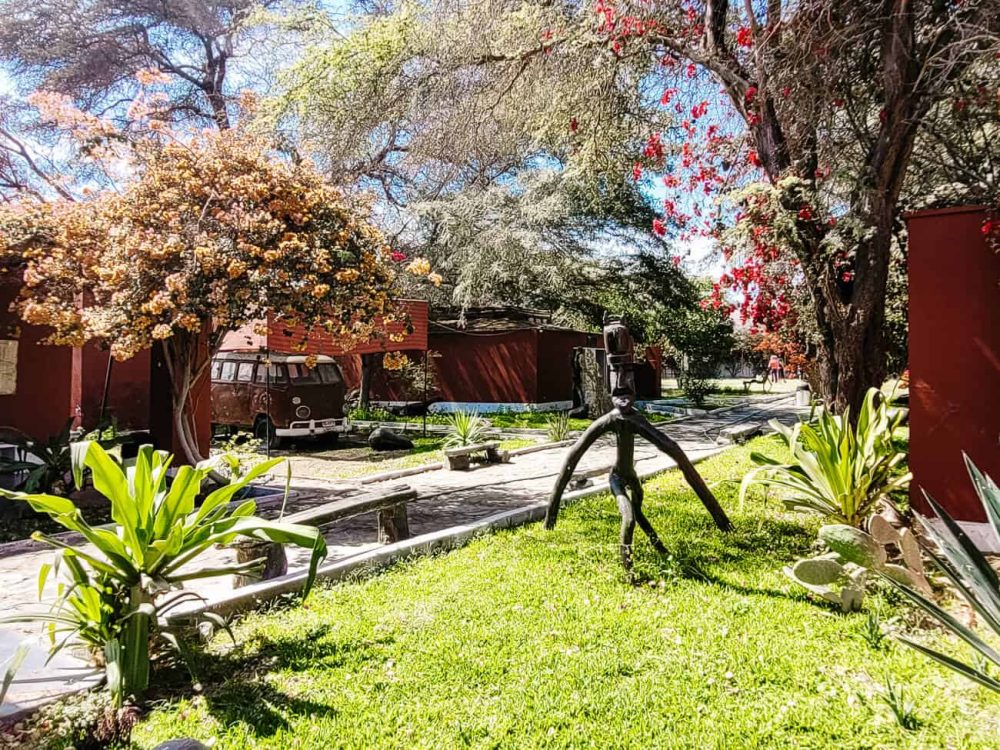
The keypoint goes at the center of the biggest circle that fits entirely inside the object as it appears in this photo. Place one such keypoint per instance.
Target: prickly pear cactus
(853, 545)
(839, 576)
(831, 578)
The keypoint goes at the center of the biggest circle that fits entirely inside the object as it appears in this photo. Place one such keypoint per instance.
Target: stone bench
(390, 513)
(460, 459)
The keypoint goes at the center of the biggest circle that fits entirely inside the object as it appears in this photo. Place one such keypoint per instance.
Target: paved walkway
(445, 499)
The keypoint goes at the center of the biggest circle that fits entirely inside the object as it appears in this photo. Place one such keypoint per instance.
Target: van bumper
(305, 428)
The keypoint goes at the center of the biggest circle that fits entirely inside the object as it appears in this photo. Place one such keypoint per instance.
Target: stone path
(445, 499)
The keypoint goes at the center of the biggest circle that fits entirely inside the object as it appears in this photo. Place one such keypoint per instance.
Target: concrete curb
(370, 561)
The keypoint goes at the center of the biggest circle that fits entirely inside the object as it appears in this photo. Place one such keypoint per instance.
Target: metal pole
(107, 388)
(425, 393)
(267, 399)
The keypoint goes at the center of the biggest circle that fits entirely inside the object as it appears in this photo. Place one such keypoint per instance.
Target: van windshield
(326, 373)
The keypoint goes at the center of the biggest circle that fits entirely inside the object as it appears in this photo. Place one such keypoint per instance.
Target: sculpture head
(620, 349)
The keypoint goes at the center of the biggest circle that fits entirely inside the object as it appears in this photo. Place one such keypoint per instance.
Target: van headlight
(303, 412)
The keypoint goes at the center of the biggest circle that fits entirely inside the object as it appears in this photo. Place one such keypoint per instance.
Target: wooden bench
(460, 459)
(764, 379)
(390, 514)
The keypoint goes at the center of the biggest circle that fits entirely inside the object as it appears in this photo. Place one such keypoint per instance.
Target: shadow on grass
(238, 694)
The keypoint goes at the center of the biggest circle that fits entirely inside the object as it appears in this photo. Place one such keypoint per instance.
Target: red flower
(744, 37)
(750, 95)
(676, 260)
(659, 228)
(753, 158)
(987, 227)
(805, 214)
(398, 257)
(692, 70)
(573, 125)
(668, 94)
(636, 171)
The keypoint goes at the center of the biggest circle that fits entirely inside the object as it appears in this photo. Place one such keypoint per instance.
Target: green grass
(534, 639)
(537, 420)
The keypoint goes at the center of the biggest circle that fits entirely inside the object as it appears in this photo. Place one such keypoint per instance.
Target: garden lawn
(534, 639)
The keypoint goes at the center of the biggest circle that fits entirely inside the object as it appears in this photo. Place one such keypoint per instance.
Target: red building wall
(954, 313)
(43, 400)
(487, 368)
(555, 362)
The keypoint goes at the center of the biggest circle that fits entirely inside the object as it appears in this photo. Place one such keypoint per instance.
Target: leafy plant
(52, 465)
(972, 576)
(128, 575)
(239, 453)
(839, 471)
(873, 632)
(465, 428)
(903, 709)
(695, 387)
(557, 426)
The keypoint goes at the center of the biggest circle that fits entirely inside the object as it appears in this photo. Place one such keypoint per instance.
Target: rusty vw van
(283, 399)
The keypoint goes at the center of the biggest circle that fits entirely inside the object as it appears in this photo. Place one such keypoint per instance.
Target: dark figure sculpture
(625, 422)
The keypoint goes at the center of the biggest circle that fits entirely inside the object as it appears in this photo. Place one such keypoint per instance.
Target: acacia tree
(843, 111)
(205, 233)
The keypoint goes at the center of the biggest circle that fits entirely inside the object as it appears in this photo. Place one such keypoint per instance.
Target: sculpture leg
(635, 488)
(597, 428)
(668, 446)
(628, 521)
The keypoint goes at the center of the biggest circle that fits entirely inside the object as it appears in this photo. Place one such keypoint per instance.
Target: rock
(181, 745)
(384, 439)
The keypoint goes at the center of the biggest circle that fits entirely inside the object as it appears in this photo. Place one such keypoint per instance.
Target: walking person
(774, 365)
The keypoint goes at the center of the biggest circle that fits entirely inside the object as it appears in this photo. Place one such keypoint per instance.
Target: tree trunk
(368, 364)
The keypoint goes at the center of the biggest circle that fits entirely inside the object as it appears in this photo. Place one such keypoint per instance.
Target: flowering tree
(201, 234)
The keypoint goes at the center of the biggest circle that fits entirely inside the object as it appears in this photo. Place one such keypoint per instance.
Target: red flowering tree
(828, 104)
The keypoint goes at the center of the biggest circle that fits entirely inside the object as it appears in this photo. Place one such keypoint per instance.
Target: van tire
(264, 431)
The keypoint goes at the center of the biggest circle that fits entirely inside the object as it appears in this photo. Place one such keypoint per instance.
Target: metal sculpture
(626, 422)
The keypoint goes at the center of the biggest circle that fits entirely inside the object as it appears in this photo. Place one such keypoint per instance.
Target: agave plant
(839, 471)
(465, 428)
(116, 588)
(973, 577)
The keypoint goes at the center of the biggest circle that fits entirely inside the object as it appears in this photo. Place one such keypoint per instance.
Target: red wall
(44, 399)
(495, 367)
(128, 395)
(555, 362)
(954, 357)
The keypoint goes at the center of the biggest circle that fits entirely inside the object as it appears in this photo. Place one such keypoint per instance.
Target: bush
(840, 471)
(695, 387)
(129, 574)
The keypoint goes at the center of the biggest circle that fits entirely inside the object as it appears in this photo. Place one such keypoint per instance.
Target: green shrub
(129, 573)
(557, 426)
(972, 576)
(839, 471)
(465, 428)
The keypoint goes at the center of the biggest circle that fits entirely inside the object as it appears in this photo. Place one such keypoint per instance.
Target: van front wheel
(264, 431)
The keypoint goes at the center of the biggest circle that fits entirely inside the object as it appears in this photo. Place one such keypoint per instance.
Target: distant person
(774, 365)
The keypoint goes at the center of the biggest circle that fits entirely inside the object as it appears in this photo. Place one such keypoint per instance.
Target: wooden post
(393, 524)
(275, 560)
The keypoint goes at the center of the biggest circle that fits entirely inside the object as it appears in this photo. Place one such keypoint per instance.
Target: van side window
(245, 372)
(228, 371)
(216, 368)
(274, 373)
